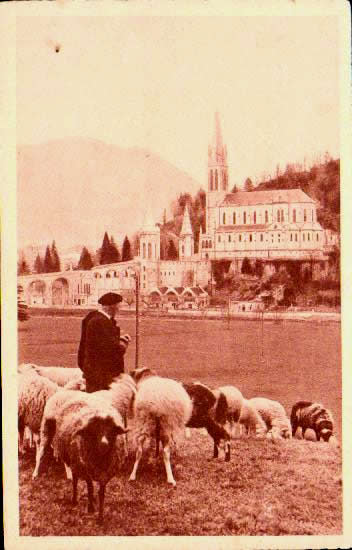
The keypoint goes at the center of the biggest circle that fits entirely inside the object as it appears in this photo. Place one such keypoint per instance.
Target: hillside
(74, 190)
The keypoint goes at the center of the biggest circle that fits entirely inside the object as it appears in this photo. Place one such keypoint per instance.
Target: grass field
(291, 487)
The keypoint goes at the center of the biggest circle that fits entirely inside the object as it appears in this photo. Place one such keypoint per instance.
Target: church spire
(148, 222)
(186, 223)
(217, 161)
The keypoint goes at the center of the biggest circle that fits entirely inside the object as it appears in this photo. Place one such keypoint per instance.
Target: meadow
(287, 487)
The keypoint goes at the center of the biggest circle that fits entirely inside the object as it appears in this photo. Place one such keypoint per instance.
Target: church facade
(274, 226)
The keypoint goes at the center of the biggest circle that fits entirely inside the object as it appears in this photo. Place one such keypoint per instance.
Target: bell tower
(218, 180)
(186, 243)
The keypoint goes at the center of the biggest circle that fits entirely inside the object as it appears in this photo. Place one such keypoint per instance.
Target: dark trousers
(95, 385)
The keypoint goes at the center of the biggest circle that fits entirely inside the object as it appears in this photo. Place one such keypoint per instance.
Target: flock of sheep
(90, 432)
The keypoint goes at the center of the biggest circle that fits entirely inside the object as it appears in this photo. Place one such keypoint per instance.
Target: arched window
(219, 238)
(255, 217)
(317, 236)
(312, 215)
(183, 249)
(216, 180)
(244, 217)
(149, 251)
(261, 237)
(224, 218)
(308, 236)
(278, 215)
(282, 216)
(250, 237)
(305, 215)
(296, 237)
(266, 216)
(144, 250)
(240, 238)
(294, 215)
(291, 237)
(211, 180)
(210, 245)
(234, 218)
(229, 238)
(304, 236)
(202, 244)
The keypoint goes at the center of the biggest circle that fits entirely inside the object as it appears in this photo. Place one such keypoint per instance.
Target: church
(273, 226)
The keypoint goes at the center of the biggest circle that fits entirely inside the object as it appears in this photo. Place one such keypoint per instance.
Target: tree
(38, 265)
(171, 251)
(246, 266)
(105, 250)
(22, 267)
(48, 263)
(85, 261)
(113, 252)
(248, 185)
(258, 268)
(234, 189)
(55, 258)
(126, 250)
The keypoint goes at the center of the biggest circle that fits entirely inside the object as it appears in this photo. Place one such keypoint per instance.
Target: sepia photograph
(178, 246)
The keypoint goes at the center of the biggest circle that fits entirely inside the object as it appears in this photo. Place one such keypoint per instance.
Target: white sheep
(228, 408)
(161, 409)
(85, 433)
(33, 393)
(60, 375)
(274, 415)
(251, 420)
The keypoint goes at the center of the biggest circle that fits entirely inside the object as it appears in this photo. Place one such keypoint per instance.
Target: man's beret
(110, 299)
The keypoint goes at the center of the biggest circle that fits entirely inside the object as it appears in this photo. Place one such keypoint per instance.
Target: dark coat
(100, 355)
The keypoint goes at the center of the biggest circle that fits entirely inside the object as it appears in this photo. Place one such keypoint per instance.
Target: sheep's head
(140, 374)
(203, 400)
(99, 435)
(326, 429)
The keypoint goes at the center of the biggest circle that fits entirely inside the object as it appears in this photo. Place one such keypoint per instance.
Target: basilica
(273, 226)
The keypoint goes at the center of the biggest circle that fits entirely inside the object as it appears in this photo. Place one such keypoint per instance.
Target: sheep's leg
(216, 449)
(294, 428)
(167, 463)
(303, 432)
(47, 432)
(68, 471)
(90, 496)
(188, 433)
(101, 502)
(317, 435)
(74, 487)
(138, 459)
(20, 440)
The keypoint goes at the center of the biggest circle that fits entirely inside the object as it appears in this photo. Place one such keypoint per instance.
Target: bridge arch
(36, 292)
(60, 292)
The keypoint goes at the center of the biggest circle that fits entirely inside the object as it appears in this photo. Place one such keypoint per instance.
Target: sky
(156, 82)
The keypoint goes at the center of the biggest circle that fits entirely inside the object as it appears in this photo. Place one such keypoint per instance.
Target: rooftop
(270, 196)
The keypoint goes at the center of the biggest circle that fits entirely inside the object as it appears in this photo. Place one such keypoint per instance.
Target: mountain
(74, 190)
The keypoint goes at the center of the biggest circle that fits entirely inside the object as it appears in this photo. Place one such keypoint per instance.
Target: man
(102, 348)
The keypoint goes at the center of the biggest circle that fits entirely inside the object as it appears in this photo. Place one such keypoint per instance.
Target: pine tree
(171, 251)
(234, 189)
(114, 254)
(48, 263)
(85, 261)
(126, 250)
(248, 185)
(55, 258)
(38, 265)
(22, 267)
(104, 252)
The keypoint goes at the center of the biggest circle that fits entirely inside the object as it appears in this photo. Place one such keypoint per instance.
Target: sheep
(204, 407)
(85, 430)
(274, 416)
(78, 384)
(251, 420)
(228, 406)
(60, 375)
(314, 416)
(33, 393)
(162, 407)
(120, 396)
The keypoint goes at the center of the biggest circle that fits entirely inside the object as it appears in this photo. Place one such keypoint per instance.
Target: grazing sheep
(33, 393)
(251, 420)
(161, 409)
(85, 429)
(314, 416)
(274, 416)
(204, 407)
(228, 406)
(60, 375)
